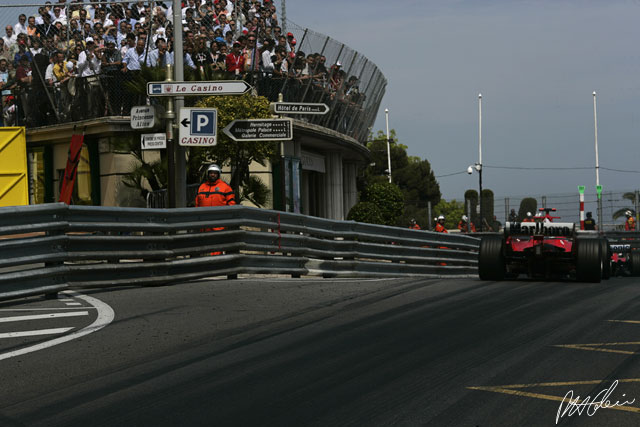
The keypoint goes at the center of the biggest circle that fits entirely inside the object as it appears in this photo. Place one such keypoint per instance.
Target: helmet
(528, 214)
(628, 213)
(213, 168)
(441, 218)
(464, 218)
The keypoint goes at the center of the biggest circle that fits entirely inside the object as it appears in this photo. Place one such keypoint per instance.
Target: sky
(536, 64)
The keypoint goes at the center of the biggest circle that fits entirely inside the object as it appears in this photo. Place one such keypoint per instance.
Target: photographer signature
(569, 406)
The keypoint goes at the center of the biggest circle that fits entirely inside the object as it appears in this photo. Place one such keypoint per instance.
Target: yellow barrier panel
(14, 183)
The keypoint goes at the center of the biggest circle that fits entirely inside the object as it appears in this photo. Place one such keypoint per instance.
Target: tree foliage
(366, 212)
(452, 212)
(528, 204)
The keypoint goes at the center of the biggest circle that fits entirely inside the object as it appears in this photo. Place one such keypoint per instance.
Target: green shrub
(365, 212)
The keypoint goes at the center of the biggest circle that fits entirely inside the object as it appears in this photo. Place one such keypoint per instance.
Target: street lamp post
(598, 188)
(386, 113)
(479, 165)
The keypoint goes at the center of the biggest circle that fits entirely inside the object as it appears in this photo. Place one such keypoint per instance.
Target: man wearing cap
(89, 66)
(235, 61)
(112, 77)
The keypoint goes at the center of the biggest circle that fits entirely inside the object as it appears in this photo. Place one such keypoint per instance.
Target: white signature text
(570, 406)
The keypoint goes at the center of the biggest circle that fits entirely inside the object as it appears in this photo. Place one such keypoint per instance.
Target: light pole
(386, 113)
(478, 166)
(598, 188)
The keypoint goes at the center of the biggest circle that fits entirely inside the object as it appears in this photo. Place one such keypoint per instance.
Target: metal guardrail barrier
(45, 249)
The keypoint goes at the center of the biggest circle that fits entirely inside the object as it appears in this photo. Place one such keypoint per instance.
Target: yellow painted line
(507, 390)
(600, 349)
(566, 383)
(624, 321)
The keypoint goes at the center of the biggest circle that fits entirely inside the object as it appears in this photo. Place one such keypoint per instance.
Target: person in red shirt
(214, 191)
(414, 225)
(235, 61)
(630, 223)
(465, 224)
(440, 225)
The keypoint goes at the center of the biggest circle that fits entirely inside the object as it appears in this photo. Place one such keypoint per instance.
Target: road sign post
(198, 127)
(260, 130)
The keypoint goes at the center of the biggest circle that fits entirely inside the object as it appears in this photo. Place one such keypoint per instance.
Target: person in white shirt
(89, 64)
(11, 38)
(21, 26)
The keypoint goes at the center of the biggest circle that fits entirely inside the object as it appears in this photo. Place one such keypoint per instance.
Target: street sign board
(153, 141)
(144, 117)
(198, 127)
(299, 108)
(260, 130)
(223, 87)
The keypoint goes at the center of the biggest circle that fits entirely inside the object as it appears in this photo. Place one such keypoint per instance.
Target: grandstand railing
(353, 107)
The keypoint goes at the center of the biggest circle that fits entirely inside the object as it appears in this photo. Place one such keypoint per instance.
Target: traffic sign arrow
(260, 130)
(222, 87)
(185, 122)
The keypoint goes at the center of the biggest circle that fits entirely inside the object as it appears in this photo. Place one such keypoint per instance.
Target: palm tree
(621, 212)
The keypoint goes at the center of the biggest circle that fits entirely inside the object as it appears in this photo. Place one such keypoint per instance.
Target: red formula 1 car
(625, 260)
(544, 249)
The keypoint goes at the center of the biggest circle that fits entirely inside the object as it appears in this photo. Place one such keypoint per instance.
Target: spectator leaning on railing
(95, 49)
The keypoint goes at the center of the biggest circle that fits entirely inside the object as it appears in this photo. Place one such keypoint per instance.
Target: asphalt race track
(296, 352)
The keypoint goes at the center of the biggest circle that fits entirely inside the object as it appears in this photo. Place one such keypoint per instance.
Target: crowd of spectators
(70, 60)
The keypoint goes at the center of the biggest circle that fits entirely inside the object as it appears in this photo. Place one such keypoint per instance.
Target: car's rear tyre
(588, 260)
(634, 263)
(606, 258)
(491, 263)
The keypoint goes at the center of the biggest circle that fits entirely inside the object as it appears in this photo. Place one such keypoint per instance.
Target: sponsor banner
(539, 229)
(70, 172)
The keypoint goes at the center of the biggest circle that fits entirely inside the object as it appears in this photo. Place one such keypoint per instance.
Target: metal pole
(386, 114)
(595, 127)
(178, 57)
(468, 215)
(171, 142)
(480, 158)
(429, 215)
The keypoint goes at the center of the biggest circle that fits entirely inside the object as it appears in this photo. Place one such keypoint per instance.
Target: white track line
(105, 316)
(34, 333)
(43, 316)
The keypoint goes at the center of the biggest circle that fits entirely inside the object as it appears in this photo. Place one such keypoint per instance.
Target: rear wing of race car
(561, 229)
(620, 248)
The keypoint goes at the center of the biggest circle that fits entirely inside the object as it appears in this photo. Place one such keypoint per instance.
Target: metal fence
(353, 90)
(567, 205)
(45, 249)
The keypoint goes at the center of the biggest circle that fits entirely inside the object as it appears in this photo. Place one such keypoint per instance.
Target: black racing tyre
(491, 263)
(588, 260)
(606, 258)
(634, 263)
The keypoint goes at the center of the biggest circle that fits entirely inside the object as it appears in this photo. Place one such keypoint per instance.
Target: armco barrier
(45, 249)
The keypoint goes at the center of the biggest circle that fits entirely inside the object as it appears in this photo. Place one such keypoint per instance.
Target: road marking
(509, 389)
(44, 316)
(34, 333)
(105, 317)
(602, 347)
(624, 321)
(46, 309)
(73, 303)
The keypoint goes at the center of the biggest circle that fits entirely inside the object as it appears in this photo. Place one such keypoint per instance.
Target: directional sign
(224, 87)
(299, 108)
(153, 141)
(143, 117)
(260, 130)
(198, 127)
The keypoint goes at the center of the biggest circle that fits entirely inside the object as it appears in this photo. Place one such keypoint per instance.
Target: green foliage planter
(388, 199)
(366, 212)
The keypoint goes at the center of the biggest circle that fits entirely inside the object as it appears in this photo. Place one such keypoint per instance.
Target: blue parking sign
(156, 89)
(203, 122)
